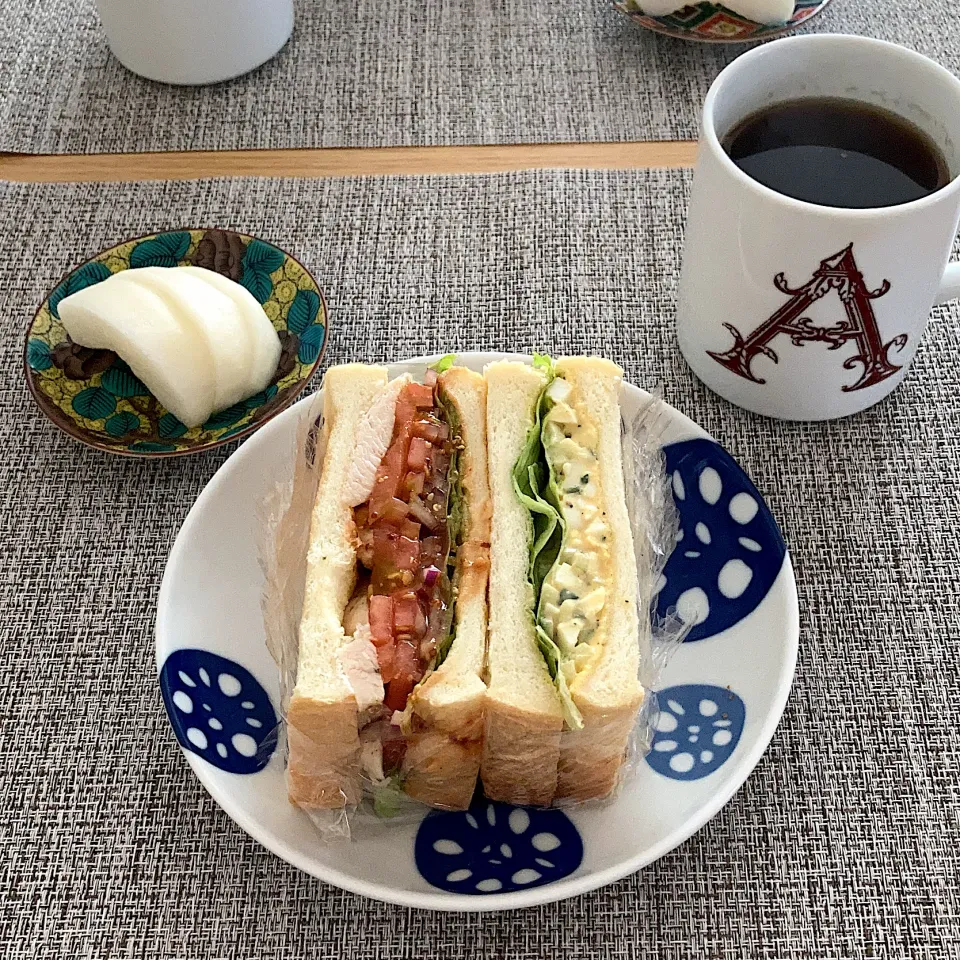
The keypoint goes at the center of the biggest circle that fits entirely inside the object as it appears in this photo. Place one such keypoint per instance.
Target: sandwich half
(389, 691)
(566, 634)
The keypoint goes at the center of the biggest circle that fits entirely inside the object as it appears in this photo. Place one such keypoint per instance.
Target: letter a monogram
(839, 273)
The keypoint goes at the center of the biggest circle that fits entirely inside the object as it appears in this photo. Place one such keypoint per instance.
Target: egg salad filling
(574, 592)
(556, 477)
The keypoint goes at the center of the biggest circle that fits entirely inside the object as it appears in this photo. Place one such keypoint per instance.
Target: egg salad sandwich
(566, 631)
(389, 689)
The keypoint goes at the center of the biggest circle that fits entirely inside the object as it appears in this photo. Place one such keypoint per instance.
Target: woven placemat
(845, 841)
(378, 74)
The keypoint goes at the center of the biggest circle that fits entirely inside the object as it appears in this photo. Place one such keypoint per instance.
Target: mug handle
(949, 283)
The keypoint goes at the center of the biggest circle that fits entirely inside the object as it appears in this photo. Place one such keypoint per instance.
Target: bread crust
(441, 770)
(323, 765)
(520, 754)
(467, 392)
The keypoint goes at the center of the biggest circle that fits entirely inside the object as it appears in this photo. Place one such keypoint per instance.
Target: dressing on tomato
(404, 545)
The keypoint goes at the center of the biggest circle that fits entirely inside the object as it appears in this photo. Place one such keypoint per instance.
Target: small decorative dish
(709, 22)
(94, 397)
(720, 696)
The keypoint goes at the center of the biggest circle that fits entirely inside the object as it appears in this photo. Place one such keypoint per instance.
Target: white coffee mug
(195, 41)
(808, 312)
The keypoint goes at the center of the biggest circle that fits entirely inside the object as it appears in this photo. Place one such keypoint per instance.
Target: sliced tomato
(405, 411)
(419, 394)
(384, 551)
(387, 659)
(407, 662)
(392, 462)
(406, 672)
(430, 431)
(380, 614)
(397, 693)
(406, 613)
(389, 475)
(418, 454)
(407, 555)
(407, 414)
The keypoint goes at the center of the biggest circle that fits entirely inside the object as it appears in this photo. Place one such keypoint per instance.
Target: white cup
(195, 41)
(801, 311)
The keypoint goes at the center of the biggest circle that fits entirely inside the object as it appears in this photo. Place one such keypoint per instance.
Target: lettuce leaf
(530, 480)
(456, 519)
(444, 363)
(544, 363)
(389, 798)
(537, 490)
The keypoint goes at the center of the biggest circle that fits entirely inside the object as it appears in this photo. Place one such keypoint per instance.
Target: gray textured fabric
(378, 74)
(845, 842)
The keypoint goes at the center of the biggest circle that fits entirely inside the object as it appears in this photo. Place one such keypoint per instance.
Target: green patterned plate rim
(94, 397)
(709, 22)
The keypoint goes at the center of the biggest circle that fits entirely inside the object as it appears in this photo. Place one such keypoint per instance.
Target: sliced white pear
(764, 11)
(266, 343)
(169, 356)
(214, 316)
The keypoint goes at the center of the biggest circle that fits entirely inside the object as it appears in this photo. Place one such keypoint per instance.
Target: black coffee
(837, 153)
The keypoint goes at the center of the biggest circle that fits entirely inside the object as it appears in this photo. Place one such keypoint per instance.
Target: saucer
(94, 397)
(714, 23)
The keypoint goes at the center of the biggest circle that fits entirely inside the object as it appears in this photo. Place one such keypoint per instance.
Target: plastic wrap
(597, 761)
(655, 525)
(336, 745)
(284, 525)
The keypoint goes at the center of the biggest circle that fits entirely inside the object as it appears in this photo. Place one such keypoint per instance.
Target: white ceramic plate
(721, 695)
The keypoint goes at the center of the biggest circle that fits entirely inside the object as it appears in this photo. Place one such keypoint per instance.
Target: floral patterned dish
(714, 23)
(93, 396)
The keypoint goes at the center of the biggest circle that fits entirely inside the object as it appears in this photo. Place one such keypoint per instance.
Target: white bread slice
(324, 745)
(608, 691)
(443, 752)
(523, 714)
